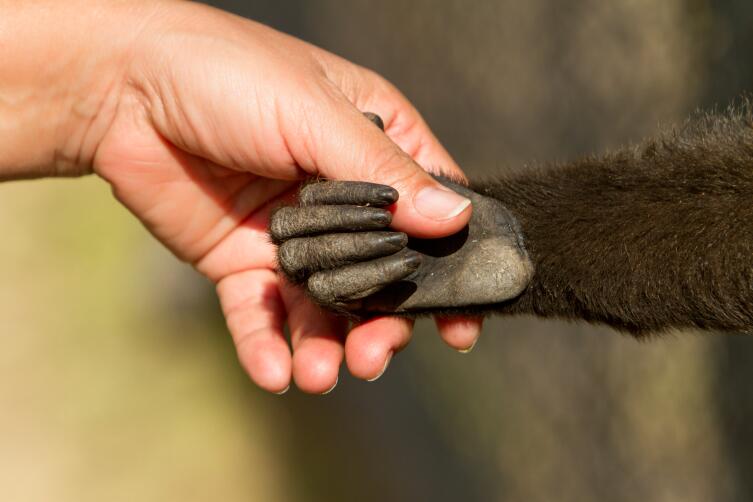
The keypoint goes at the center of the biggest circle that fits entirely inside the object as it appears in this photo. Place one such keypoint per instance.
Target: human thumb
(354, 149)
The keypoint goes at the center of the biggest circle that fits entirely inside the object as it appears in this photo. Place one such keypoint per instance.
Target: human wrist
(64, 65)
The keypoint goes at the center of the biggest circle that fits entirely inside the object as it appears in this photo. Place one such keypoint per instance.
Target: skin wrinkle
(146, 20)
(301, 173)
(301, 257)
(256, 217)
(238, 213)
(63, 162)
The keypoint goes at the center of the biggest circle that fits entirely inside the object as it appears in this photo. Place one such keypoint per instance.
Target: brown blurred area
(118, 380)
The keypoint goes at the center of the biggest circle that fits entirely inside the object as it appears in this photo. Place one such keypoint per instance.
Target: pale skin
(202, 122)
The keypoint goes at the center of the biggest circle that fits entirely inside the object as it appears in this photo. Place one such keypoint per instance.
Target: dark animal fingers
(353, 282)
(289, 222)
(357, 193)
(303, 256)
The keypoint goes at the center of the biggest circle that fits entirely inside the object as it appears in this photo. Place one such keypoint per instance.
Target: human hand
(206, 121)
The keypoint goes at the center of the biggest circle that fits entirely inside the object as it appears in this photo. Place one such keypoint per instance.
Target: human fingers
(371, 345)
(255, 314)
(460, 333)
(317, 341)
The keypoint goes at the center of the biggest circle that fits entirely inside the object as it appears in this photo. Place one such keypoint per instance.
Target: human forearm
(63, 63)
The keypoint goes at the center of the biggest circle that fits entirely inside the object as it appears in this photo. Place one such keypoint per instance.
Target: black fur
(648, 238)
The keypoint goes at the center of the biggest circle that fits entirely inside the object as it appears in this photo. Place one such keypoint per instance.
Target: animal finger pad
(357, 193)
(289, 222)
(302, 256)
(358, 281)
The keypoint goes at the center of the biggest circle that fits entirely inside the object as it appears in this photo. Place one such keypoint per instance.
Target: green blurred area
(118, 380)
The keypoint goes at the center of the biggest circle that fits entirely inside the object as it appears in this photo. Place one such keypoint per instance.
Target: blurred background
(118, 380)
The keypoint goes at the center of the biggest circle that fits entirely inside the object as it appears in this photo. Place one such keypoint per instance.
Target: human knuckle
(384, 160)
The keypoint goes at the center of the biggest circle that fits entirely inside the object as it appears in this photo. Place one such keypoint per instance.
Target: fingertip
(268, 363)
(468, 349)
(440, 203)
(430, 210)
(384, 367)
(460, 333)
(316, 365)
(370, 346)
(337, 379)
(367, 361)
